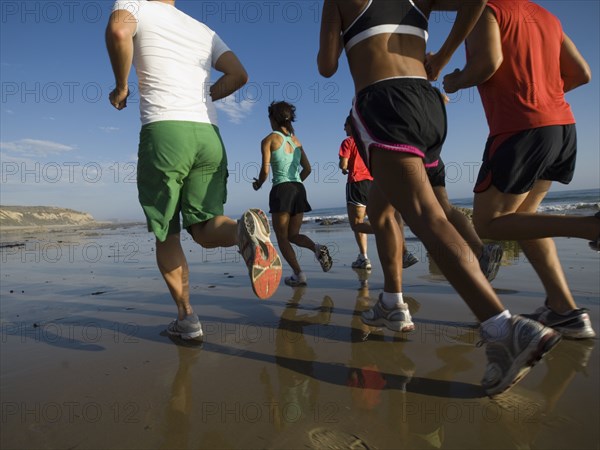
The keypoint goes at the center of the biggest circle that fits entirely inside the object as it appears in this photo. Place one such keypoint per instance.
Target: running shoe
(188, 328)
(575, 324)
(408, 259)
(510, 358)
(262, 260)
(324, 258)
(362, 263)
(490, 260)
(396, 319)
(296, 280)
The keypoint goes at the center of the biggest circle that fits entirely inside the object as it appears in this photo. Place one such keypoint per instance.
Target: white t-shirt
(173, 57)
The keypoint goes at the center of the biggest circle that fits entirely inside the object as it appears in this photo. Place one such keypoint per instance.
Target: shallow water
(86, 364)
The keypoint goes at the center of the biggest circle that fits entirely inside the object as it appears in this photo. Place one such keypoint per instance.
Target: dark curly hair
(283, 114)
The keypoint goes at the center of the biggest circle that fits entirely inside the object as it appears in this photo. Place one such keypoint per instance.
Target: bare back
(384, 55)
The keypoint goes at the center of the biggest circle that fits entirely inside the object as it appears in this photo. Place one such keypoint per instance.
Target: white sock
(364, 256)
(317, 247)
(391, 300)
(497, 327)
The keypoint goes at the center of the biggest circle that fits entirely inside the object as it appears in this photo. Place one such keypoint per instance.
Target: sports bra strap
(286, 138)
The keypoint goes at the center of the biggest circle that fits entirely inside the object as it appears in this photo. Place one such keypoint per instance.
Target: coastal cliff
(36, 216)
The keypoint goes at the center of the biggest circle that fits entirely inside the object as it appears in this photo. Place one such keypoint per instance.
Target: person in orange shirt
(357, 195)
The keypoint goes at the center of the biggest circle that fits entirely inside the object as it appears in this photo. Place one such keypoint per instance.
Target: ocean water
(575, 202)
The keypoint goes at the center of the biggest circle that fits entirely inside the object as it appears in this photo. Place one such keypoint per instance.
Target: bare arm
(330, 41)
(234, 76)
(574, 69)
(467, 14)
(263, 174)
(485, 55)
(119, 43)
(344, 165)
(306, 169)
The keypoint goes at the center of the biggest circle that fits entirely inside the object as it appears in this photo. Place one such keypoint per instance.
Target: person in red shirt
(357, 195)
(522, 69)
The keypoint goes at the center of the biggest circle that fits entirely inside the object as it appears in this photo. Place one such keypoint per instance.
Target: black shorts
(357, 193)
(437, 174)
(405, 115)
(513, 162)
(288, 197)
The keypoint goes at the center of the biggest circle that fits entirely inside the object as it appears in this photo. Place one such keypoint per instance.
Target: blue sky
(62, 144)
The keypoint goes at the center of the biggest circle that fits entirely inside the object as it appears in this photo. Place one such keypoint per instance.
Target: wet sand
(85, 363)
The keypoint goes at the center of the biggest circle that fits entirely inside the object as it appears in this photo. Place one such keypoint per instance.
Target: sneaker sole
(186, 336)
(326, 267)
(567, 332)
(497, 258)
(407, 264)
(265, 269)
(264, 220)
(294, 284)
(393, 326)
(525, 361)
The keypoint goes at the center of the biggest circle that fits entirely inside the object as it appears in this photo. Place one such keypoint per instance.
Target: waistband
(395, 82)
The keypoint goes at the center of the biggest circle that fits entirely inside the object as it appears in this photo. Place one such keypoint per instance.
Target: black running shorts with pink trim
(513, 162)
(437, 174)
(405, 115)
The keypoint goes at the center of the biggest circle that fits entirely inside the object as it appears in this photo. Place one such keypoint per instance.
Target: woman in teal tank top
(283, 153)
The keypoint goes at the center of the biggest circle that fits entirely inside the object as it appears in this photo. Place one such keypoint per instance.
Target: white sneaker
(397, 319)
(188, 328)
(362, 263)
(510, 358)
(296, 280)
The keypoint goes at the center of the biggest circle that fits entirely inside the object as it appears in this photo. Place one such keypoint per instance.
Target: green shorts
(182, 169)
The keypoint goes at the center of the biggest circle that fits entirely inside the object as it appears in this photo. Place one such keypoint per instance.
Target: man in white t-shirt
(182, 164)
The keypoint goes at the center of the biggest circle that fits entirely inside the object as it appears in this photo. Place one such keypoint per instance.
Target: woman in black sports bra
(399, 126)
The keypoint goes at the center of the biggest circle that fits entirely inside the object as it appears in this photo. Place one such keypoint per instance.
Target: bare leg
(461, 222)
(356, 216)
(388, 238)
(498, 218)
(174, 269)
(280, 226)
(220, 231)
(400, 222)
(301, 240)
(403, 180)
(541, 253)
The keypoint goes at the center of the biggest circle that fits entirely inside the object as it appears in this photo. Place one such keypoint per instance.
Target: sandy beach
(85, 362)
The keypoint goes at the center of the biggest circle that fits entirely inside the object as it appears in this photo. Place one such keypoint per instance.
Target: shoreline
(44, 228)
(86, 363)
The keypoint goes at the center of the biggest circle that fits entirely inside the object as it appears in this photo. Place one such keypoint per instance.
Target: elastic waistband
(395, 81)
(178, 123)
